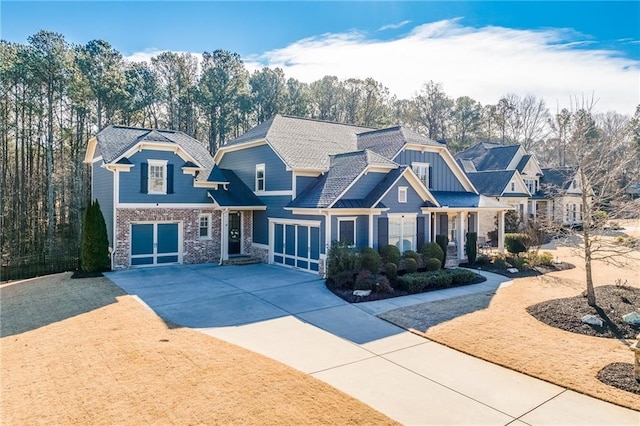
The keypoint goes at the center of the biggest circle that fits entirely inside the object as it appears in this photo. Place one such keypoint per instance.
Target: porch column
(428, 231)
(461, 218)
(534, 207)
(501, 231)
(371, 230)
(476, 223)
(224, 235)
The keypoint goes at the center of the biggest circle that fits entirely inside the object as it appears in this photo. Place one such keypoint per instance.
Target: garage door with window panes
(155, 243)
(297, 245)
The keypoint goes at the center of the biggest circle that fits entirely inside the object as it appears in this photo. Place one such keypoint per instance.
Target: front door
(234, 233)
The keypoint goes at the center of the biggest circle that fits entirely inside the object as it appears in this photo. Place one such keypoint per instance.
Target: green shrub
(472, 246)
(391, 270)
(344, 279)
(390, 254)
(410, 254)
(340, 258)
(432, 264)
(414, 282)
(461, 276)
(365, 280)
(410, 265)
(433, 251)
(516, 243)
(440, 279)
(95, 242)
(443, 242)
(370, 260)
(500, 262)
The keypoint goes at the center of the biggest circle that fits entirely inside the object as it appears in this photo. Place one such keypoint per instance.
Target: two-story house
(282, 192)
(510, 175)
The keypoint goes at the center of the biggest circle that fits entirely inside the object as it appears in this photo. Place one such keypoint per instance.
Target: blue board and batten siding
(102, 190)
(183, 189)
(414, 201)
(302, 182)
(362, 229)
(243, 163)
(443, 178)
(275, 210)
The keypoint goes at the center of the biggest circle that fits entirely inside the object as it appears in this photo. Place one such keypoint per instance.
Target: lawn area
(83, 352)
(501, 330)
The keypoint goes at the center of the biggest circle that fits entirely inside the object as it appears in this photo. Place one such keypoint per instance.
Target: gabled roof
(303, 143)
(236, 193)
(556, 179)
(489, 156)
(523, 162)
(114, 141)
(491, 183)
(344, 169)
(388, 142)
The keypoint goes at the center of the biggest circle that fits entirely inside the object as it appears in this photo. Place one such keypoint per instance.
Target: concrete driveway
(291, 317)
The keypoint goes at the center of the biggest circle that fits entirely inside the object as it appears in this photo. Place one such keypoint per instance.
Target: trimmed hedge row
(420, 281)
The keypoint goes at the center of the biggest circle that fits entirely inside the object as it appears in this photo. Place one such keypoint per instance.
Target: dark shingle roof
(491, 183)
(237, 193)
(523, 162)
(113, 141)
(387, 142)
(302, 142)
(343, 170)
(488, 156)
(556, 179)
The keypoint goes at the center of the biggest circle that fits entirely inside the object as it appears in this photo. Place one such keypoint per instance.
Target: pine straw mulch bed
(83, 352)
(613, 302)
(500, 330)
(533, 272)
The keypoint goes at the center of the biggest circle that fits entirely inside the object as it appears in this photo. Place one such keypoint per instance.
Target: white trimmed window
(422, 171)
(260, 183)
(402, 194)
(513, 187)
(402, 231)
(347, 230)
(157, 177)
(531, 185)
(204, 226)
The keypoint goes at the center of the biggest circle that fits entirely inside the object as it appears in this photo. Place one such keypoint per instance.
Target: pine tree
(95, 243)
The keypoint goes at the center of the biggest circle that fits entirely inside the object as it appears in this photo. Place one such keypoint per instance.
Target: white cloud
(484, 63)
(394, 26)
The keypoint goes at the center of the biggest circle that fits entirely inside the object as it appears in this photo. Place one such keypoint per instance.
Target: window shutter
(383, 232)
(144, 178)
(430, 177)
(169, 178)
(420, 229)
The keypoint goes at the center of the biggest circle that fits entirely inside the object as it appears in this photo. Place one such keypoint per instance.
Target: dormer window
(260, 177)
(157, 182)
(402, 194)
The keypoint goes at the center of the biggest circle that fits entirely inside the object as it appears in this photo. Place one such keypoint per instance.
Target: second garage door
(297, 245)
(155, 243)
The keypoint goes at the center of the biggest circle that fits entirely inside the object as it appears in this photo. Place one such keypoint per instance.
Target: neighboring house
(510, 175)
(282, 192)
(325, 181)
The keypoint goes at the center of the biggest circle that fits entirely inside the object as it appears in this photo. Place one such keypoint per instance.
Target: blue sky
(556, 50)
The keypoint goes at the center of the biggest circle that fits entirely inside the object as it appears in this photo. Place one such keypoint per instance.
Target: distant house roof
(237, 194)
(491, 183)
(114, 141)
(489, 156)
(302, 142)
(556, 179)
(343, 171)
(523, 162)
(388, 142)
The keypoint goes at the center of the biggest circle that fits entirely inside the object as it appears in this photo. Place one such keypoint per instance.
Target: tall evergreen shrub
(443, 242)
(472, 247)
(95, 243)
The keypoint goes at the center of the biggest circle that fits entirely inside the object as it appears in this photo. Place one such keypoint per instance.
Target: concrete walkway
(291, 317)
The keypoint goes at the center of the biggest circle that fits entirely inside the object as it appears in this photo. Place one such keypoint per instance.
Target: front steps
(242, 260)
